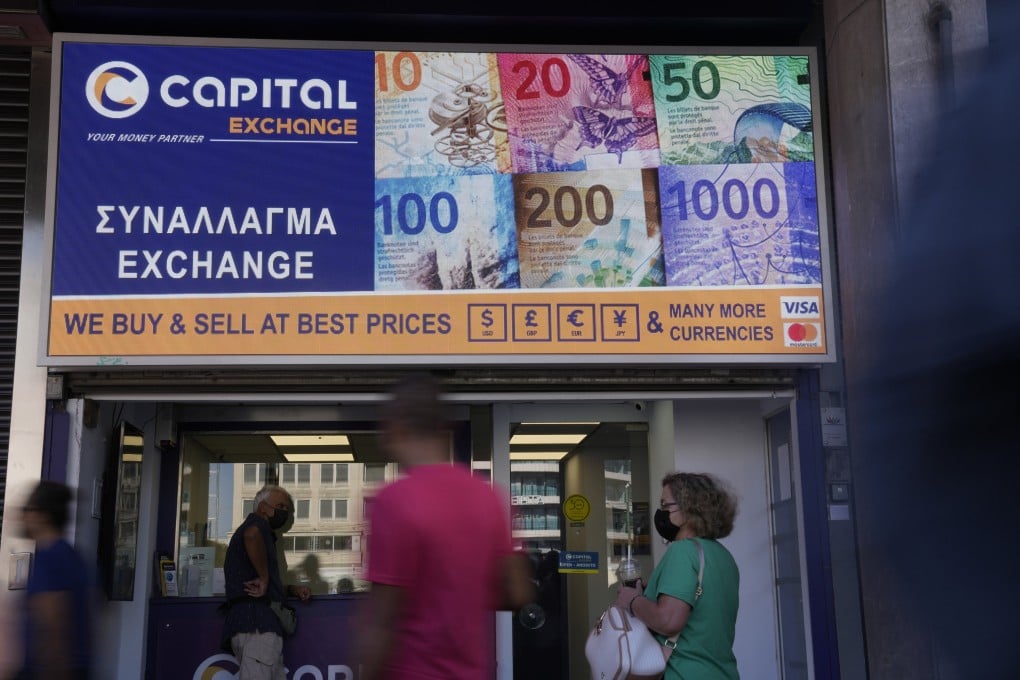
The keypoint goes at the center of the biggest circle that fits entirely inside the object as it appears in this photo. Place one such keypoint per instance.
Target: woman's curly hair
(707, 505)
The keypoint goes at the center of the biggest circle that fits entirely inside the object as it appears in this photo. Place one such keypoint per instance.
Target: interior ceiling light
(558, 424)
(319, 457)
(548, 439)
(309, 440)
(537, 455)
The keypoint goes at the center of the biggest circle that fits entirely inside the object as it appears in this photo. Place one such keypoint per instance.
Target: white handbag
(620, 646)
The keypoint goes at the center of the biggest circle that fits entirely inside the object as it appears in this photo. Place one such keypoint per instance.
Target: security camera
(639, 406)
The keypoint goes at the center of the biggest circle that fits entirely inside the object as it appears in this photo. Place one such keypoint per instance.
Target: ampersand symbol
(654, 326)
(177, 324)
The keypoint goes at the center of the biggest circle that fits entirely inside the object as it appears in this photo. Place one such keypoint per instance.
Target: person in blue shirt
(60, 589)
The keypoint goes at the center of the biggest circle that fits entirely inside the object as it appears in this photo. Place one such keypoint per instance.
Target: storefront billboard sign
(264, 203)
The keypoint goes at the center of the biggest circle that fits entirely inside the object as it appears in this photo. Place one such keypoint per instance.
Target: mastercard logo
(802, 334)
(117, 89)
(217, 667)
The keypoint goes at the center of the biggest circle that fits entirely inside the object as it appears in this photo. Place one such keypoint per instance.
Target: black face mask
(665, 528)
(278, 519)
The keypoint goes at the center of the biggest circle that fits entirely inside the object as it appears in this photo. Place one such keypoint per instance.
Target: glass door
(578, 479)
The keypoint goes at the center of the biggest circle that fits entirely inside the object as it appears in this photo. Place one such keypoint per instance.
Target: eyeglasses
(663, 506)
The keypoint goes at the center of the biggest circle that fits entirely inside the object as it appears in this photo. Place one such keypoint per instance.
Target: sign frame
(527, 297)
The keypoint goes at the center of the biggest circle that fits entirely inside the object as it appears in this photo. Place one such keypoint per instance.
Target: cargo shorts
(259, 655)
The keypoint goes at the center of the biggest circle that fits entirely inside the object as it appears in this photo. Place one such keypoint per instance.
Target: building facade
(779, 433)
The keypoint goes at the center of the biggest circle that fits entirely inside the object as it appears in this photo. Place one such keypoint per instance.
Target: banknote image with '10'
(438, 113)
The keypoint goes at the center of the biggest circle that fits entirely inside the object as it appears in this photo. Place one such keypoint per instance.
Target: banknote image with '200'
(588, 229)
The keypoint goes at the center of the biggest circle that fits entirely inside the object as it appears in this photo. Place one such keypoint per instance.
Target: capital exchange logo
(117, 89)
(217, 667)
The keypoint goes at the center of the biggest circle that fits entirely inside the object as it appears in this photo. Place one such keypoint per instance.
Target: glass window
(333, 473)
(333, 509)
(218, 487)
(375, 472)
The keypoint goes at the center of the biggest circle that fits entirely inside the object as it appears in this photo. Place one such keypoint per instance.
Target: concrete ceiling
(559, 22)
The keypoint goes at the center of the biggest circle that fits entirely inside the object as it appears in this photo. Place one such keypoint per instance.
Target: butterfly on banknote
(617, 134)
(609, 85)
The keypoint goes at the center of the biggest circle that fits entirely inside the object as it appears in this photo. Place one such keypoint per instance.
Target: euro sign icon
(574, 318)
(529, 319)
(487, 318)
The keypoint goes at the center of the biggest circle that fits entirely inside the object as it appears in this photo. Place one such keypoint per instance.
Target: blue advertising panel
(250, 202)
(213, 170)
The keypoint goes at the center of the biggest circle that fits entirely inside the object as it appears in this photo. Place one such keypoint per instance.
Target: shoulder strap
(671, 640)
(701, 569)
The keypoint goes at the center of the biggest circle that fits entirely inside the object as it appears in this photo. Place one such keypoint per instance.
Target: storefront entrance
(582, 473)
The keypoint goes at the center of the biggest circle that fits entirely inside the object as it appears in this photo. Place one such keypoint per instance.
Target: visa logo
(799, 307)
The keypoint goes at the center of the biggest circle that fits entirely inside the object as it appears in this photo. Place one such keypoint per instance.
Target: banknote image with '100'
(445, 233)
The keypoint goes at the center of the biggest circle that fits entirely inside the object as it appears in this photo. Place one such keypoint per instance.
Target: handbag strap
(701, 570)
(671, 640)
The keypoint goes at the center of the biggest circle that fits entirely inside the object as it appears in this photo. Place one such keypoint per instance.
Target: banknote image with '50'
(445, 233)
(438, 113)
(597, 229)
(732, 109)
(750, 224)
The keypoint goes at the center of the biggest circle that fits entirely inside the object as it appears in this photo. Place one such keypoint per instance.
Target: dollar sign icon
(487, 318)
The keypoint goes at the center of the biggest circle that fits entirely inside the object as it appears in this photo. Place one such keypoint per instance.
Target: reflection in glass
(118, 540)
(322, 550)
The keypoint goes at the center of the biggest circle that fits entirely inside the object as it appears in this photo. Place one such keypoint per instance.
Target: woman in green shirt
(694, 510)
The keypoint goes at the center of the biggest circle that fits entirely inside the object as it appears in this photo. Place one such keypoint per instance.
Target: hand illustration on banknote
(466, 117)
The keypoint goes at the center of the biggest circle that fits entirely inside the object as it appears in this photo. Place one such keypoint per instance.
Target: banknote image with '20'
(570, 112)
